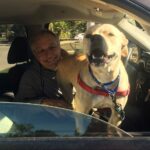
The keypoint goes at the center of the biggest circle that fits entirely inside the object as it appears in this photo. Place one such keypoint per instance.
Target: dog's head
(104, 44)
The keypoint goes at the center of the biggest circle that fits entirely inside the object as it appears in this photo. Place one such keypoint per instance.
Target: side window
(7, 35)
(70, 33)
(26, 120)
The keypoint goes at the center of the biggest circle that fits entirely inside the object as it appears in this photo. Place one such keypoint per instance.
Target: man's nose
(51, 54)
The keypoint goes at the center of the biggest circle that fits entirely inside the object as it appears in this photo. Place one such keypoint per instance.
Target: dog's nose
(98, 49)
(98, 46)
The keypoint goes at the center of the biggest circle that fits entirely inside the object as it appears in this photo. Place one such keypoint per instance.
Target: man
(38, 83)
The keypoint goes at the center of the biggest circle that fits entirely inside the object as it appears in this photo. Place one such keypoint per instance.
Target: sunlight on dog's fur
(103, 47)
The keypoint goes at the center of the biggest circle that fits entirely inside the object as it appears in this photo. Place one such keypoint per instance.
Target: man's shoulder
(32, 70)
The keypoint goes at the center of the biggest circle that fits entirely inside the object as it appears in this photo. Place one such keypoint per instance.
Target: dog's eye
(110, 34)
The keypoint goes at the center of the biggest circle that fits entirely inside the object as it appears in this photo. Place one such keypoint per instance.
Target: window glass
(7, 34)
(26, 120)
(71, 33)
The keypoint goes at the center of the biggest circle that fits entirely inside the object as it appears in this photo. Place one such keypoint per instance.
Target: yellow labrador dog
(99, 77)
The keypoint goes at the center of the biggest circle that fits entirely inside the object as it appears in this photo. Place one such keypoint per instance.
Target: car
(33, 126)
(79, 36)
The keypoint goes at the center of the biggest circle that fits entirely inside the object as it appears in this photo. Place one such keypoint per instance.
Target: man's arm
(27, 93)
(27, 87)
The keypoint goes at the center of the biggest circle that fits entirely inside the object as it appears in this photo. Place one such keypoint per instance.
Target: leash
(118, 108)
(104, 91)
(111, 92)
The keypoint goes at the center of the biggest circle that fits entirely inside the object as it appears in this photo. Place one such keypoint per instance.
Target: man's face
(47, 51)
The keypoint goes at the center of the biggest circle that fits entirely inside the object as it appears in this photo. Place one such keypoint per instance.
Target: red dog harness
(100, 91)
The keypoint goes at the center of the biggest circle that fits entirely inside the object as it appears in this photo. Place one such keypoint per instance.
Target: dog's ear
(124, 49)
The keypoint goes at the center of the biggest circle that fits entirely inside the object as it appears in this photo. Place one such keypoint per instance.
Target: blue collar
(104, 86)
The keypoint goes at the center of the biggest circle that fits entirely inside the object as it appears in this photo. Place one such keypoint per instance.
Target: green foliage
(64, 29)
(67, 29)
(18, 30)
(2, 28)
(10, 31)
(4, 31)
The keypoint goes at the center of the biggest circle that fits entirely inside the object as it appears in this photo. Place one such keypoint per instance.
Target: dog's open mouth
(104, 59)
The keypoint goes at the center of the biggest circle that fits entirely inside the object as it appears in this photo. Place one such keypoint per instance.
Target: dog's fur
(114, 42)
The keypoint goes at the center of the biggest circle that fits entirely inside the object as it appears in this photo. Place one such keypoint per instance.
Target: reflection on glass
(28, 120)
(5, 124)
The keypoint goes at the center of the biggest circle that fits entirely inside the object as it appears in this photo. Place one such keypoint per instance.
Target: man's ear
(124, 49)
(64, 53)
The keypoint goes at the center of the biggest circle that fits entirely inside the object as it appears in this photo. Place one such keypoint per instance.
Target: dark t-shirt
(37, 83)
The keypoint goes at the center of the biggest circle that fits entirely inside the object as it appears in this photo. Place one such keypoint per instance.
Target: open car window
(28, 120)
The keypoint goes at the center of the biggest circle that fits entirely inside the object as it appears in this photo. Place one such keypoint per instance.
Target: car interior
(35, 15)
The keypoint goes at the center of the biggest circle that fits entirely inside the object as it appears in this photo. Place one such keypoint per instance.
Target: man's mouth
(53, 61)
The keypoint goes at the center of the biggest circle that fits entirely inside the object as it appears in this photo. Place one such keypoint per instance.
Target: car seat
(20, 55)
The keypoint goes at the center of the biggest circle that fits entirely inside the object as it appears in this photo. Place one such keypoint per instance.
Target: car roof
(39, 11)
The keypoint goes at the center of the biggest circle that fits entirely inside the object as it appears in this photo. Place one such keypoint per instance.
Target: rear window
(7, 34)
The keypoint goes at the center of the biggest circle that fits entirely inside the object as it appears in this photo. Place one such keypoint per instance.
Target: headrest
(19, 51)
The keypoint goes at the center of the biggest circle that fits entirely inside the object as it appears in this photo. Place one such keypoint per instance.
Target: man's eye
(52, 47)
(41, 50)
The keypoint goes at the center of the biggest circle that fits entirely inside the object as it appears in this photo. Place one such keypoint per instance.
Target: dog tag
(147, 96)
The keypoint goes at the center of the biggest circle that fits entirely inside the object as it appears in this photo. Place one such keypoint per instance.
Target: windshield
(28, 120)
